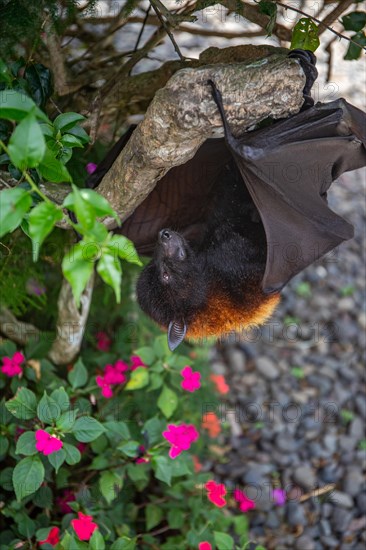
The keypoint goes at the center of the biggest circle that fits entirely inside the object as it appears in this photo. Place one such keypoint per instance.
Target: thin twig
(144, 22)
(334, 14)
(155, 4)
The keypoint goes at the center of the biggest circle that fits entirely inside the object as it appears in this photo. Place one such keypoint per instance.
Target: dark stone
(341, 519)
(295, 514)
(304, 543)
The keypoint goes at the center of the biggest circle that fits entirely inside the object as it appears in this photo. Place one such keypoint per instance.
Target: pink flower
(216, 493)
(47, 443)
(245, 503)
(62, 501)
(113, 375)
(103, 341)
(191, 380)
(91, 167)
(53, 537)
(81, 447)
(136, 361)
(279, 497)
(35, 287)
(106, 388)
(11, 365)
(204, 546)
(180, 437)
(84, 527)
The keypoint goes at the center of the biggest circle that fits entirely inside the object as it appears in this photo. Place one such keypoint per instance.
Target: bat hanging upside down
(239, 220)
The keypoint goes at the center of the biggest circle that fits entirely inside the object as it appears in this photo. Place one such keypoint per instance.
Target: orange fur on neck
(222, 315)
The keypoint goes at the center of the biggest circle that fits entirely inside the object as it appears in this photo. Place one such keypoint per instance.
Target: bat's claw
(307, 61)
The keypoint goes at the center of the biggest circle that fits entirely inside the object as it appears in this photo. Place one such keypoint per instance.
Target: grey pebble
(325, 527)
(304, 543)
(305, 477)
(340, 499)
(272, 521)
(357, 429)
(341, 519)
(361, 502)
(361, 405)
(267, 368)
(285, 442)
(352, 481)
(295, 514)
(329, 542)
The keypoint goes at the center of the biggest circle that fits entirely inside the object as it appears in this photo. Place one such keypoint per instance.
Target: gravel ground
(298, 392)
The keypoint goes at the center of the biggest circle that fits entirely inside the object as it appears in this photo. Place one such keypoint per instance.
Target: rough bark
(183, 115)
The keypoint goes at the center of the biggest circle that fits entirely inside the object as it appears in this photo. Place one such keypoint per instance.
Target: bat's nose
(165, 235)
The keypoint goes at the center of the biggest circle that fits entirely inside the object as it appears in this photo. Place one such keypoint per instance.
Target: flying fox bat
(240, 219)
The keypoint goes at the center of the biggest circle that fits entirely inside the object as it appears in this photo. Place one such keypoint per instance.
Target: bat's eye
(166, 277)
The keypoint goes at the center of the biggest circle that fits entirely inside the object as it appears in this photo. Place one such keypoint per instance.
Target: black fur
(231, 251)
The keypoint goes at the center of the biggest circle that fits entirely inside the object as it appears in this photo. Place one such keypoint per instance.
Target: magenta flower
(245, 503)
(103, 341)
(191, 380)
(216, 493)
(47, 443)
(91, 167)
(136, 361)
(113, 375)
(204, 545)
(279, 497)
(11, 365)
(35, 287)
(180, 437)
(62, 501)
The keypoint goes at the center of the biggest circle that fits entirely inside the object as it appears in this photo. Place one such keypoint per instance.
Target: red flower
(216, 493)
(11, 365)
(245, 503)
(53, 537)
(212, 424)
(84, 527)
(191, 380)
(103, 341)
(220, 383)
(47, 443)
(204, 545)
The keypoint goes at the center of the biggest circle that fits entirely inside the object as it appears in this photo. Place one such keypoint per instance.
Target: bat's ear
(176, 333)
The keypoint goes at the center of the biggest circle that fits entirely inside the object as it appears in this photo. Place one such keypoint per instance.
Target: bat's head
(172, 289)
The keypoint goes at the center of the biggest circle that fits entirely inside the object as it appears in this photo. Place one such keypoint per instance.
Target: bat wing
(288, 168)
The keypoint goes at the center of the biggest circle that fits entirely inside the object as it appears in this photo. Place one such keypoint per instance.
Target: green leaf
(354, 21)
(26, 444)
(66, 121)
(27, 145)
(100, 205)
(78, 375)
(110, 271)
(14, 204)
(354, 51)
(117, 430)
(80, 133)
(52, 169)
(57, 459)
(28, 476)
(125, 249)
(42, 220)
(154, 428)
(4, 445)
(223, 541)
(146, 354)
(23, 405)
(154, 515)
(42, 534)
(16, 106)
(167, 402)
(77, 269)
(124, 543)
(270, 9)
(39, 79)
(84, 211)
(163, 469)
(96, 541)
(48, 411)
(73, 455)
(305, 35)
(5, 74)
(139, 379)
(129, 448)
(26, 525)
(43, 498)
(61, 398)
(68, 140)
(110, 484)
(67, 420)
(87, 429)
